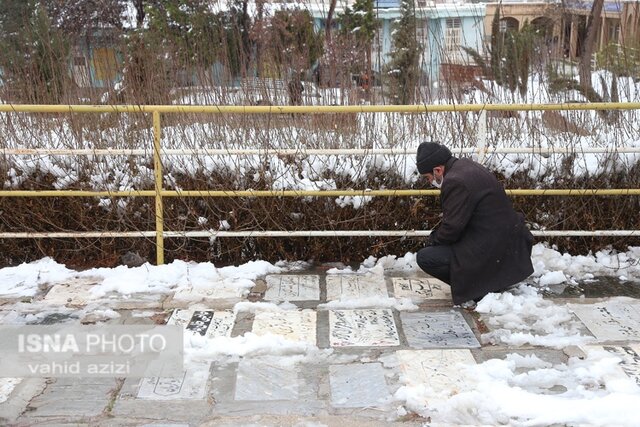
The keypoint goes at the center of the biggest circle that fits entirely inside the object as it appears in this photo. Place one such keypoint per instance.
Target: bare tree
(329, 22)
(81, 17)
(588, 47)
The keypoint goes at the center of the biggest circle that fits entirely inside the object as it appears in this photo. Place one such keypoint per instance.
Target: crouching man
(482, 244)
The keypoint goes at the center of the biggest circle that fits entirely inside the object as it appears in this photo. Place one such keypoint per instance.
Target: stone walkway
(355, 358)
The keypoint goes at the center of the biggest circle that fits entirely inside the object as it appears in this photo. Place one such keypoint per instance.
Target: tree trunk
(329, 22)
(588, 47)
(139, 6)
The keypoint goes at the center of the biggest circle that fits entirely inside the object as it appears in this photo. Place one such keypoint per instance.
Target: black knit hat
(430, 155)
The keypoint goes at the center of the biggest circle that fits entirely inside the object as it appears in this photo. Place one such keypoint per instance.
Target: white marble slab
(192, 385)
(614, 320)
(260, 380)
(421, 288)
(358, 385)
(294, 325)
(440, 370)
(629, 355)
(209, 323)
(438, 330)
(355, 286)
(290, 287)
(360, 328)
(205, 294)
(70, 294)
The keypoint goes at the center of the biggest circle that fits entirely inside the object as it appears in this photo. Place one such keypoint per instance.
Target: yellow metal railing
(159, 192)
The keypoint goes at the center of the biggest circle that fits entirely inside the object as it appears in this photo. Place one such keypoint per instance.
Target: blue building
(442, 29)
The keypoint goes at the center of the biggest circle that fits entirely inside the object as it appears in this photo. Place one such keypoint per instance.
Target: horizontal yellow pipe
(305, 193)
(245, 109)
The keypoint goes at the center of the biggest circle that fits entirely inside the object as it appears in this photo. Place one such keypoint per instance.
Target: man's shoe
(469, 305)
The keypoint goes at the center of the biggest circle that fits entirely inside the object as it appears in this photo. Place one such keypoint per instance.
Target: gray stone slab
(358, 385)
(366, 327)
(440, 370)
(209, 323)
(290, 287)
(73, 397)
(437, 330)
(614, 320)
(355, 286)
(294, 325)
(421, 288)
(15, 395)
(192, 385)
(261, 380)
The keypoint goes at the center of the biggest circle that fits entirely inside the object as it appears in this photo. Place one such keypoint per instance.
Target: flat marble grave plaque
(74, 295)
(283, 287)
(209, 323)
(355, 286)
(438, 330)
(259, 380)
(630, 356)
(358, 385)
(293, 325)
(439, 370)
(191, 294)
(615, 320)
(192, 385)
(421, 288)
(362, 328)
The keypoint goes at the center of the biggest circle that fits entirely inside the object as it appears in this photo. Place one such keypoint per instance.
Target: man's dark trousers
(436, 261)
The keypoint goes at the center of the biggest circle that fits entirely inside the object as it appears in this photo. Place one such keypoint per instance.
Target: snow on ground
(551, 267)
(589, 391)
(518, 390)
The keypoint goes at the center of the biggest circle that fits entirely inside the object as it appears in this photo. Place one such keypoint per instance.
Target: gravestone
(614, 320)
(290, 287)
(219, 295)
(355, 286)
(294, 325)
(192, 385)
(260, 380)
(438, 330)
(358, 385)
(629, 355)
(209, 323)
(439, 370)
(362, 328)
(72, 295)
(421, 288)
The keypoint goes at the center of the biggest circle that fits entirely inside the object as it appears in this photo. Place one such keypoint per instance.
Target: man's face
(435, 176)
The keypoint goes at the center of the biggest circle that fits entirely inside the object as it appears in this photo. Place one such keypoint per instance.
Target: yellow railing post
(157, 169)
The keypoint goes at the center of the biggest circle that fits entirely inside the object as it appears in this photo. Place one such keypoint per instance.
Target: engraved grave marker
(354, 286)
(440, 370)
(614, 320)
(209, 323)
(293, 325)
(192, 385)
(421, 288)
(438, 330)
(367, 327)
(292, 287)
